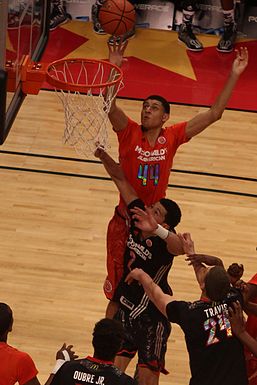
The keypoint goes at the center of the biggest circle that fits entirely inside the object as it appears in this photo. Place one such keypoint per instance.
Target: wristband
(161, 232)
(59, 362)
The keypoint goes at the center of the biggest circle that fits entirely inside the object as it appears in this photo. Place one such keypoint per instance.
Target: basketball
(117, 17)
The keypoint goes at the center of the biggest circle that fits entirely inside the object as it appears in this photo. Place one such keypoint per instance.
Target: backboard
(23, 32)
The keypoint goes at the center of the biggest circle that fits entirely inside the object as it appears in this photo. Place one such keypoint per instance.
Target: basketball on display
(117, 17)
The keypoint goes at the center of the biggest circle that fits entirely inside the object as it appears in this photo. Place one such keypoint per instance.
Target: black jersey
(216, 356)
(151, 255)
(91, 371)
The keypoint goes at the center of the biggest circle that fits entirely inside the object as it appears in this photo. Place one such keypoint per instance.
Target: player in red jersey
(251, 328)
(235, 272)
(146, 153)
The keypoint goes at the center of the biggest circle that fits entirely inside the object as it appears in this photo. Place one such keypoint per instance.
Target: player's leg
(227, 41)
(94, 14)
(152, 335)
(117, 234)
(122, 362)
(185, 33)
(111, 309)
(58, 15)
(128, 349)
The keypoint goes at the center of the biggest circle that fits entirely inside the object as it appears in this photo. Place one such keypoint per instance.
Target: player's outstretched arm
(118, 118)
(116, 173)
(204, 119)
(238, 326)
(154, 292)
(192, 257)
(147, 223)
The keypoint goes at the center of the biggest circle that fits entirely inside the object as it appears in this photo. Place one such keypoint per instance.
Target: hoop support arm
(32, 76)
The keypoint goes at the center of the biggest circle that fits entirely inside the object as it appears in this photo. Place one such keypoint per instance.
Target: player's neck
(151, 134)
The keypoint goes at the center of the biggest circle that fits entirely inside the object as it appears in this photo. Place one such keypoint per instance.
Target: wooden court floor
(55, 210)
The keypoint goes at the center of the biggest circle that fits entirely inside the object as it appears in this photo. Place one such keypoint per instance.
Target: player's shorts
(117, 234)
(147, 336)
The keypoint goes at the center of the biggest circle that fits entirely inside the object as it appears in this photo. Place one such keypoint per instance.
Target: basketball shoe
(227, 41)
(187, 36)
(127, 36)
(58, 17)
(96, 23)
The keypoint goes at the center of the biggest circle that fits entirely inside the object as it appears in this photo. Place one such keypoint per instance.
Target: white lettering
(152, 7)
(100, 380)
(140, 250)
(215, 310)
(87, 377)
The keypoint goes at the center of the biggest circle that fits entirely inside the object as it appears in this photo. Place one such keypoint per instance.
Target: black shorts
(147, 336)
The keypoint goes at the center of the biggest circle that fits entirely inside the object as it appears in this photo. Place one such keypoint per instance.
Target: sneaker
(227, 41)
(97, 28)
(127, 36)
(58, 17)
(186, 35)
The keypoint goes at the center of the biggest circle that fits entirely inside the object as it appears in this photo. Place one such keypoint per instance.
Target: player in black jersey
(216, 356)
(99, 369)
(147, 330)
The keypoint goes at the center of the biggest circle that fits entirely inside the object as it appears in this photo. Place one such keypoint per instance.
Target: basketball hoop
(87, 88)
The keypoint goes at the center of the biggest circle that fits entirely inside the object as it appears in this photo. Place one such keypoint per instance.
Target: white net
(86, 111)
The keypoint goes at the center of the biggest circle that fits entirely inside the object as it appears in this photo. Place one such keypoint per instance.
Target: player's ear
(165, 117)
(167, 227)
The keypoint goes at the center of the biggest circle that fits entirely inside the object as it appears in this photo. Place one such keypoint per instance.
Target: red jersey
(15, 366)
(251, 323)
(148, 168)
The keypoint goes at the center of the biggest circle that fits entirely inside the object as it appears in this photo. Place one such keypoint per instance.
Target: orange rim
(68, 86)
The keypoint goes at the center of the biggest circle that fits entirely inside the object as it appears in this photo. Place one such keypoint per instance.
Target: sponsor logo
(124, 301)
(151, 156)
(139, 249)
(161, 140)
(107, 286)
(149, 243)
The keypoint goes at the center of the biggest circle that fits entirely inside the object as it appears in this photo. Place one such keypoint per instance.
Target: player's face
(159, 212)
(153, 114)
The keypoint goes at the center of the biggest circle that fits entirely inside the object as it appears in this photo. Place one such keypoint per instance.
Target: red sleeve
(126, 136)
(179, 131)
(26, 369)
(253, 280)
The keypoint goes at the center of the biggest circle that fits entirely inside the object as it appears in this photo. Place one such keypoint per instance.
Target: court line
(108, 179)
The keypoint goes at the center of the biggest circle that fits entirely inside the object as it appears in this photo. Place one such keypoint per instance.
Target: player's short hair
(162, 100)
(108, 335)
(217, 284)
(6, 318)
(173, 215)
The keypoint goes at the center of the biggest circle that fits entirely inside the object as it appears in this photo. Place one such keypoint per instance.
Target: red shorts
(117, 234)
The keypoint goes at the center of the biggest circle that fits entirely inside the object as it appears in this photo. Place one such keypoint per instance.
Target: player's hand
(236, 318)
(116, 52)
(241, 61)
(99, 152)
(135, 274)
(68, 350)
(187, 243)
(145, 220)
